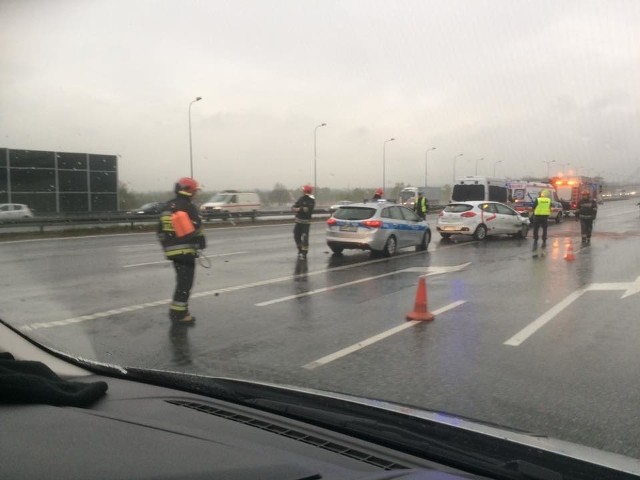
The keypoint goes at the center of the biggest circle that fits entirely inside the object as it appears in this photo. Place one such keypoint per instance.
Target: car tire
(480, 233)
(523, 231)
(336, 250)
(445, 236)
(390, 247)
(424, 244)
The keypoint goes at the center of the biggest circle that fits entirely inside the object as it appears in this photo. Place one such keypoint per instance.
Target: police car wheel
(391, 247)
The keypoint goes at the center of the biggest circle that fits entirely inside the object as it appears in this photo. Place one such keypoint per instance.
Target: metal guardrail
(117, 218)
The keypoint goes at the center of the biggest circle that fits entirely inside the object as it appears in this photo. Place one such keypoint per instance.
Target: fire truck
(569, 191)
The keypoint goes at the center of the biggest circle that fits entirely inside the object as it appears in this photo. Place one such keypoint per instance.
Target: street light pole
(548, 162)
(454, 168)
(425, 169)
(190, 143)
(494, 167)
(315, 159)
(384, 167)
(478, 160)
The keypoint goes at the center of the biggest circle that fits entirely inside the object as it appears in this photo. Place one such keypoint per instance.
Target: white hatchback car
(480, 219)
(12, 211)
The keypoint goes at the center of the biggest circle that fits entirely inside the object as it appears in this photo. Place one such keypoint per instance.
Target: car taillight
(332, 221)
(371, 223)
(468, 214)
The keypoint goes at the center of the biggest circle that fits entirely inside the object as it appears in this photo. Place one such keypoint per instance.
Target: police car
(381, 227)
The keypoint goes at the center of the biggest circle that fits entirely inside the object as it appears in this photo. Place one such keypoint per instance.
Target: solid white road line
(542, 320)
(376, 338)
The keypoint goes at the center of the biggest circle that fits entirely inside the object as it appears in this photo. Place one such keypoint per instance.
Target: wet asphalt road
(537, 343)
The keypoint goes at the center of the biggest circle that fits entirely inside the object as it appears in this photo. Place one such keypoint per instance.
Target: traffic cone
(420, 310)
(569, 256)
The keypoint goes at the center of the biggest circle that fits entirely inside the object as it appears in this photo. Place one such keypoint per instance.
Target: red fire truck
(569, 190)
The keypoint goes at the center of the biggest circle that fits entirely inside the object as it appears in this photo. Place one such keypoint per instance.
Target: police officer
(181, 236)
(304, 210)
(421, 206)
(586, 213)
(541, 212)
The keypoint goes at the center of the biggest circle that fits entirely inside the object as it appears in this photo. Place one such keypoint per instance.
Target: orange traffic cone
(420, 310)
(569, 256)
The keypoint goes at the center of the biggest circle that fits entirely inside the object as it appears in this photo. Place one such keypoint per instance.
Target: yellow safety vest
(543, 207)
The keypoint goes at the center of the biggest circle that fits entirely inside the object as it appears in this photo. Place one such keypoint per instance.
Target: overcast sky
(517, 83)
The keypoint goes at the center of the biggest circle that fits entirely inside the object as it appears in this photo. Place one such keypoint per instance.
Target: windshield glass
(465, 193)
(106, 106)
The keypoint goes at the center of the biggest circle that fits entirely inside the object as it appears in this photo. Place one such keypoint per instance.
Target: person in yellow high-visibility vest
(541, 212)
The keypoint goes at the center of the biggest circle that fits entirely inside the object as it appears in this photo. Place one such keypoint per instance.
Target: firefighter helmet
(186, 186)
(379, 192)
(307, 189)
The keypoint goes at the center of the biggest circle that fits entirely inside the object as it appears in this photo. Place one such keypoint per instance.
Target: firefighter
(304, 210)
(421, 206)
(586, 213)
(541, 212)
(181, 236)
(377, 195)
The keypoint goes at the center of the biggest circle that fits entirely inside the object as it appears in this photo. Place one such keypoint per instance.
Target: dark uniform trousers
(301, 236)
(185, 273)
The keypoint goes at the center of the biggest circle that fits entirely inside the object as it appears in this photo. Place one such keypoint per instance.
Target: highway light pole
(454, 168)
(494, 167)
(315, 158)
(426, 154)
(384, 167)
(548, 162)
(478, 160)
(190, 143)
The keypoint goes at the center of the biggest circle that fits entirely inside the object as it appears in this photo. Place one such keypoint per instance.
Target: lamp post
(315, 158)
(478, 160)
(548, 162)
(454, 168)
(384, 168)
(190, 144)
(494, 167)
(425, 169)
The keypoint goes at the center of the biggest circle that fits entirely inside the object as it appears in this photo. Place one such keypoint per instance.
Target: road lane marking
(376, 338)
(630, 288)
(117, 311)
(165, 261)
(427, 271)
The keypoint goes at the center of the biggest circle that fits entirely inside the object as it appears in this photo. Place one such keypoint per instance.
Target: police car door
(413, 228)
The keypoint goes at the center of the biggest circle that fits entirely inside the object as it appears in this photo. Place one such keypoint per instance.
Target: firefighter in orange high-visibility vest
(181, 236)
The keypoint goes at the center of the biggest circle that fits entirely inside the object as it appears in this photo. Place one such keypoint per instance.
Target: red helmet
(379, 191)
(186, 186)
(307, 189)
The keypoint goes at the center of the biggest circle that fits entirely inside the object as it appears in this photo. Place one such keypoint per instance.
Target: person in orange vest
(541, 212)
(303, 207)
(180, 234)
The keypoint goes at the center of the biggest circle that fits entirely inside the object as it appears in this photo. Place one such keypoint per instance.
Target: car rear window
(354, 213)
(457, 208)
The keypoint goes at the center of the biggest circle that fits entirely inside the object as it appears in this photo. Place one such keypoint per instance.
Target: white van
(231, 203)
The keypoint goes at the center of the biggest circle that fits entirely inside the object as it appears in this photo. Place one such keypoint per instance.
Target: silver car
(13, 211)
(382, 228)
(481, 219)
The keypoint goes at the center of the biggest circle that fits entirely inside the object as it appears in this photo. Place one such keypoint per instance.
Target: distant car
(339, 204)
(12, 211)
(481, 219)
(382, 228)
(152, 208)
